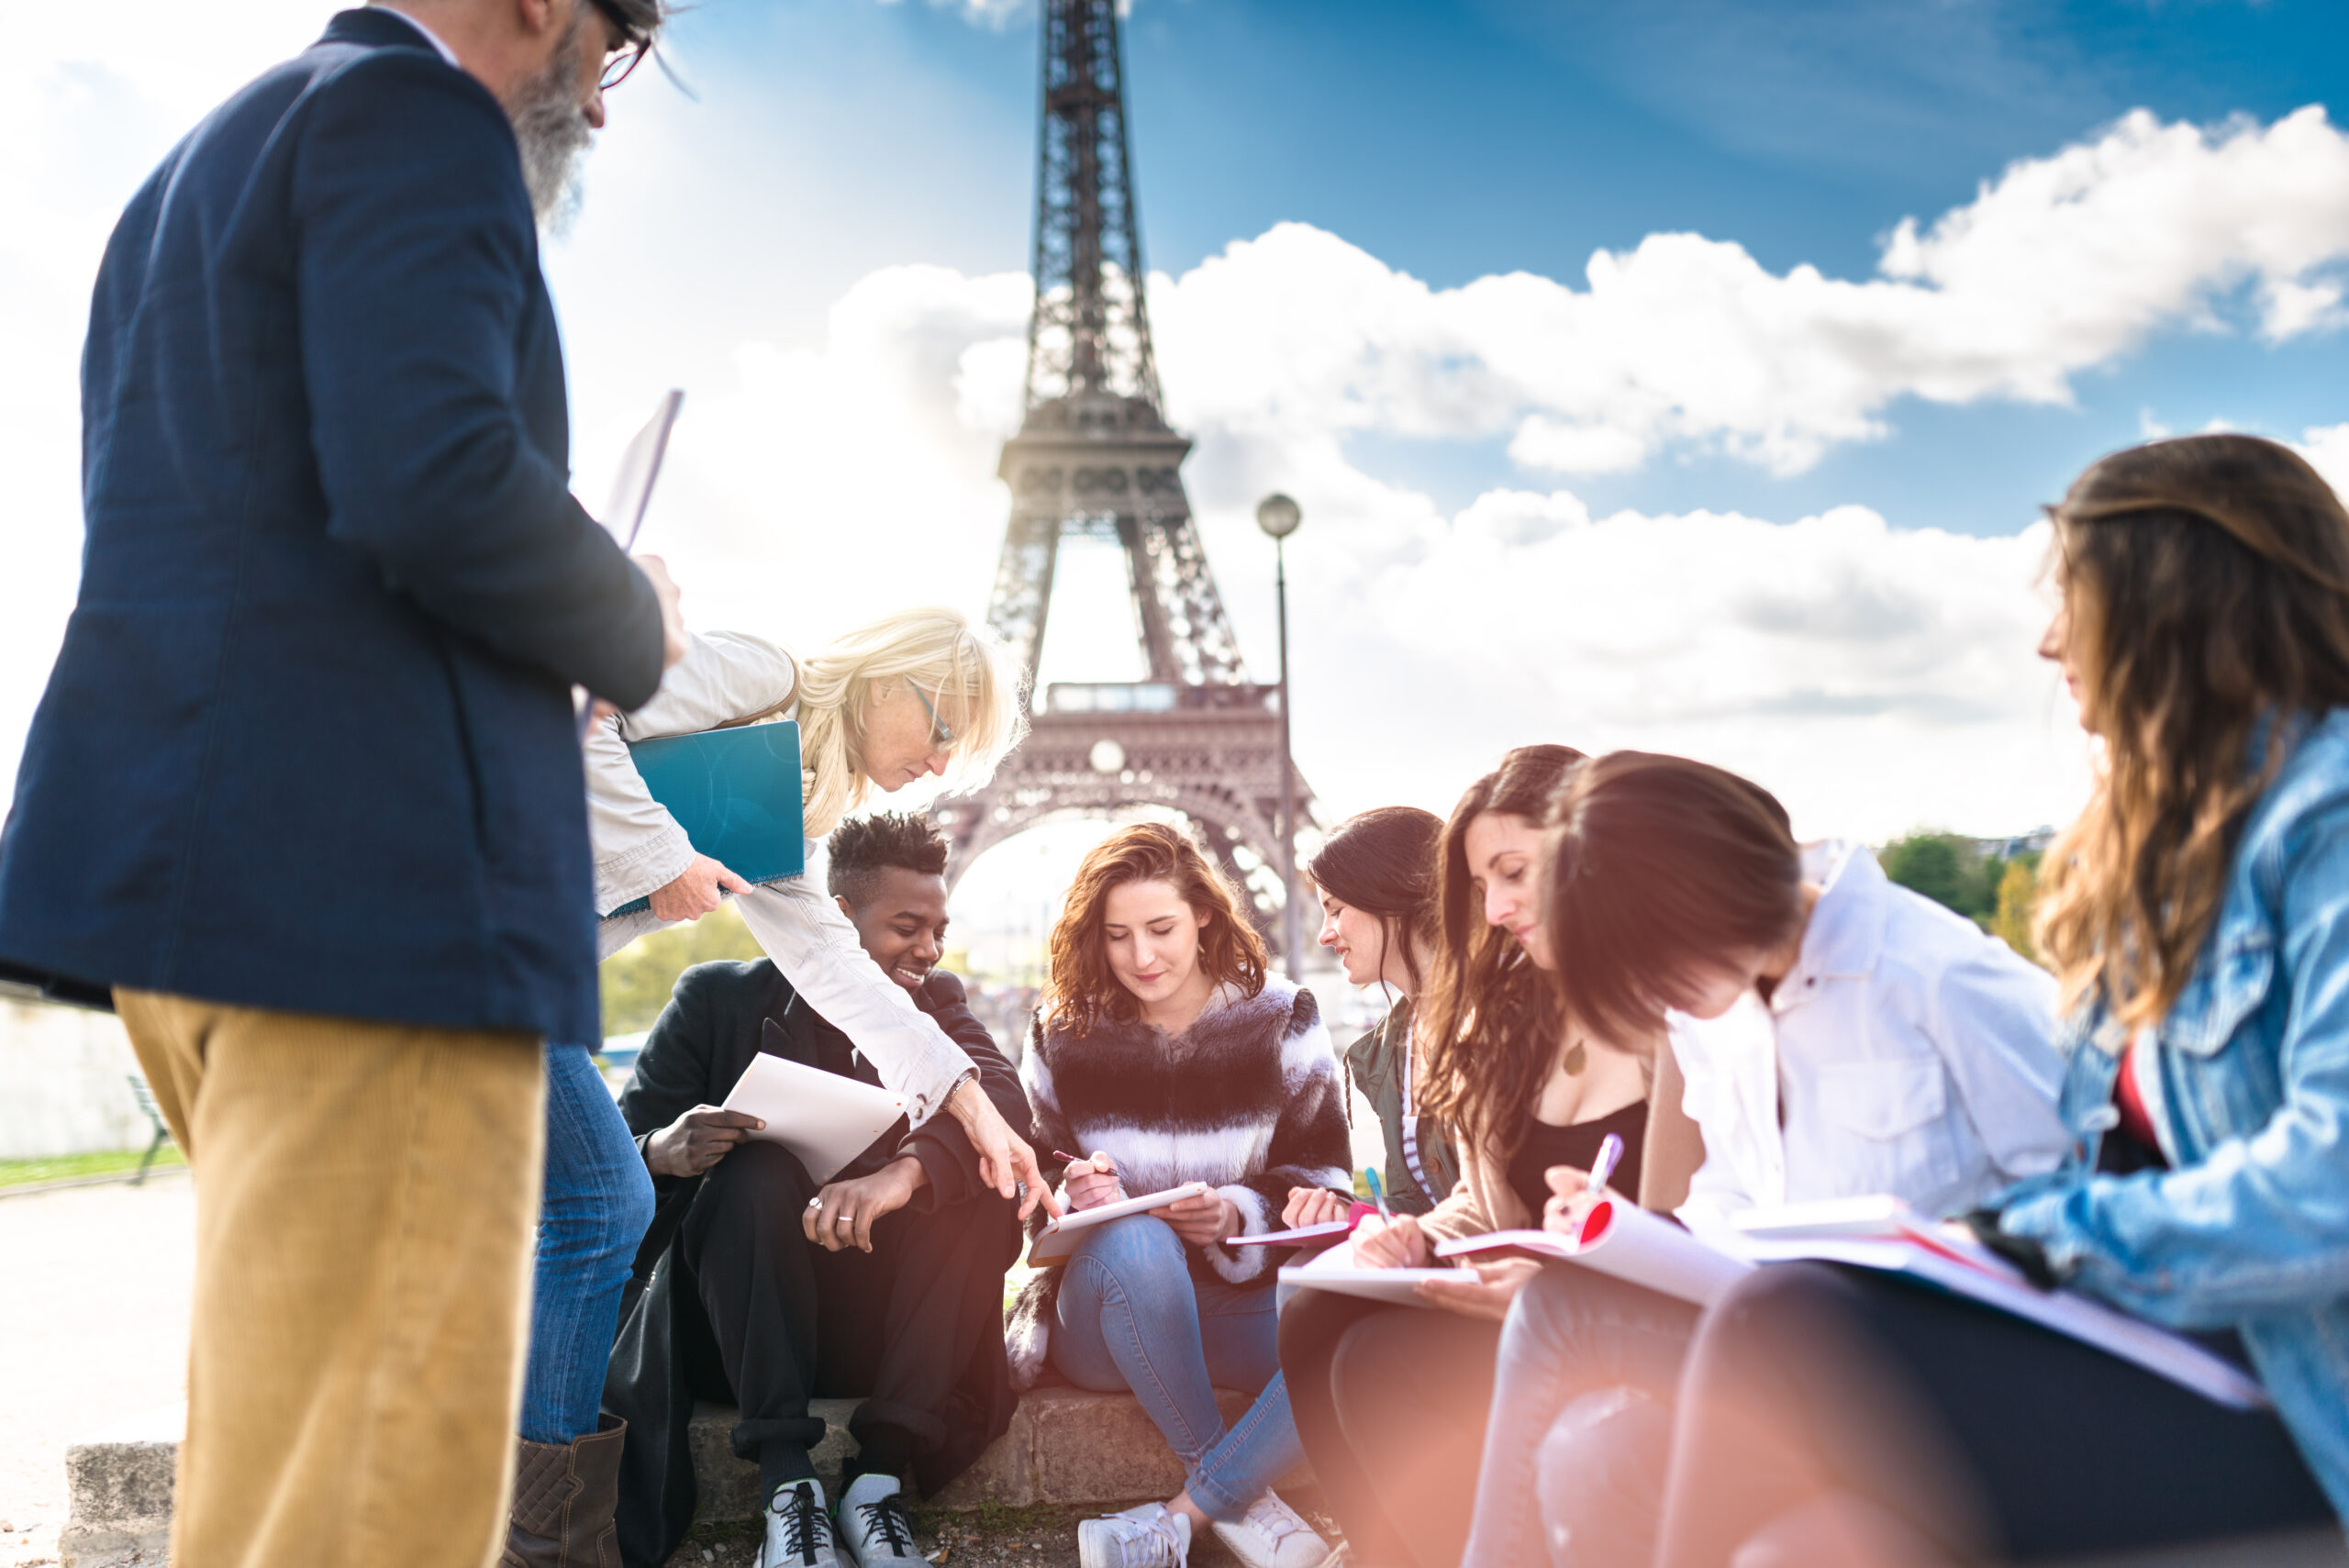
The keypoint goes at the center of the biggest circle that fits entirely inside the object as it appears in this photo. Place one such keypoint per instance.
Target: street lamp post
(1278, 516)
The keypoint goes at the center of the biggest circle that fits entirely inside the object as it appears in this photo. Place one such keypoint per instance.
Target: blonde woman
(913, 695)
(916, 693)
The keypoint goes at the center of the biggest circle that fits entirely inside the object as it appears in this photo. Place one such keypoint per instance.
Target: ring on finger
(843, 1220)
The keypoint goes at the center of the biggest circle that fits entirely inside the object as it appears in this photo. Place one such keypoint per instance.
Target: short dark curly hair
(862, 846)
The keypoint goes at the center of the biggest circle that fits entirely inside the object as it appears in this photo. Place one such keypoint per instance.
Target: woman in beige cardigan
(1391, 1401)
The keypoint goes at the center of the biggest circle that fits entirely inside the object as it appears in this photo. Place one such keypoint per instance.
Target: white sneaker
(1151, 1536)
(875, 1528)
(799, 1531)
(1270, 1535)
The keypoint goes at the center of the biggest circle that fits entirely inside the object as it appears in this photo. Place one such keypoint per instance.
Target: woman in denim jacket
(2197, 915)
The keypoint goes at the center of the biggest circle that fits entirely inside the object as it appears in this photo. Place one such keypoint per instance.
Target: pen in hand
(1378, 1193)
(1611, 1153)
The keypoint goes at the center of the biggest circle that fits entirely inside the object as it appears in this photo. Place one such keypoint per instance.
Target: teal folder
(737, 795)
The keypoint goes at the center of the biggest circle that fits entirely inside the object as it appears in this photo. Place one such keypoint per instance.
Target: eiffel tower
(1095, 457)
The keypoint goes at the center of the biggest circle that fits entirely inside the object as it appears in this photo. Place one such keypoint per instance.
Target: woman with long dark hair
(1376, 878)
(2198, 917)
(1836, 1035)
(1391, 1401)
(1166, 1053)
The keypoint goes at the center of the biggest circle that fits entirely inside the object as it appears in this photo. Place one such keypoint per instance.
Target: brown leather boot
(564, 1497)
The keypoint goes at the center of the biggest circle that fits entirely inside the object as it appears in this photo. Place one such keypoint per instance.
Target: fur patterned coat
(1247, 1100)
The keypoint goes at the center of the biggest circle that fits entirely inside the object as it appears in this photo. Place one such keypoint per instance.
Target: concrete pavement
(93, 1308)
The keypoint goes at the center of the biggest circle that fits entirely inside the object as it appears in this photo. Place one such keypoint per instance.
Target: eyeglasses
(630, 52)
(942, 739)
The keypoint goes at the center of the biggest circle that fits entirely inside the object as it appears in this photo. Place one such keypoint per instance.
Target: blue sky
(1680, 374)
(1457, 139)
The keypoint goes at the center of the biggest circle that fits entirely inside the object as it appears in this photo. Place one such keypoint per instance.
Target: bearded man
(304, 796)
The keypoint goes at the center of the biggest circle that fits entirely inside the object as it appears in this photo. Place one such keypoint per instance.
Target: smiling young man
(303, 794)
(887, 873)
(767, 1289)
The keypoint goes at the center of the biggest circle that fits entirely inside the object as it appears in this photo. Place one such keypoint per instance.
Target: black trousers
(1391, 1402)
(1992, 1438)
(790, 1321)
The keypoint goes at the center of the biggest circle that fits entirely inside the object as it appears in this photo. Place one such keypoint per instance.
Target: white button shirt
(725, 677)
(1906, 1052)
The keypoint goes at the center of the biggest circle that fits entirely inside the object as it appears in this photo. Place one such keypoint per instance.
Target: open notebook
(1337, 1271)
(1880, 1233)
(1059, 1237)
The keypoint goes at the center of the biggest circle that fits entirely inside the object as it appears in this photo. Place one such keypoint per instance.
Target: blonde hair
(959, 666)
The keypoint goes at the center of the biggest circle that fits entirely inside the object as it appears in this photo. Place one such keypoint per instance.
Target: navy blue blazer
(308, 745)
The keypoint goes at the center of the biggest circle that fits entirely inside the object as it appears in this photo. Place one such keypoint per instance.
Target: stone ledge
(119, 1480)
(1066, 1445)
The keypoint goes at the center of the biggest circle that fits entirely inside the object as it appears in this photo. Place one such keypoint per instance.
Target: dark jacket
(719, 1018)
(1376, 1063)
(308, 744)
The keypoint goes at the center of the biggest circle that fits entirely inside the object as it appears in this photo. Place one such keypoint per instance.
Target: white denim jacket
(724, 678)
(1906, 1052)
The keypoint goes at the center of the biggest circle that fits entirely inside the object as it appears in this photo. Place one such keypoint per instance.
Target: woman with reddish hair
(1166, 1053)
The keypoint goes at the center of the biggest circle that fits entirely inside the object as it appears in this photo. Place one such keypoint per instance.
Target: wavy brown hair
(1491, 1026)
(1083, 989)
(2206, 610)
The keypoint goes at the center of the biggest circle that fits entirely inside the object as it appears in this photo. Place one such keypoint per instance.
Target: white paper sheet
(639, 467)
(826, 1120)
(1337, 1270)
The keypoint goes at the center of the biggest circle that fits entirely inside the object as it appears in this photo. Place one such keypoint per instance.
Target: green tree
(636, 980)
(1946, 869)
(2018, 897)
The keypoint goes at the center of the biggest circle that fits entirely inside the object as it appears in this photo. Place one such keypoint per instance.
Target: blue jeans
(592, 1214)
(1131, 1316)
(1580, 1431)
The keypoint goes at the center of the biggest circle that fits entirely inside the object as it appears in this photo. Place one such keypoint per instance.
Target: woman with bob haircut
(2197, 916)
(1163, 1050)
(1835, 1036)
(1392, 1400)
(912, 694)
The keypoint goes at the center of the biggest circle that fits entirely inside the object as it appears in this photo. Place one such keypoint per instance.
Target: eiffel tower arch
(1095, 457)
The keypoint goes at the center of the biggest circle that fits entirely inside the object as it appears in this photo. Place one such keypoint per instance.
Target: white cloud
(1877, 677)
(2327, 446)
(2061, 264)
(997, 14)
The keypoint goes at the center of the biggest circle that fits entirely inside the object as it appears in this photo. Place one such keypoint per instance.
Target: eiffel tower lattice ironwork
(1095, 456)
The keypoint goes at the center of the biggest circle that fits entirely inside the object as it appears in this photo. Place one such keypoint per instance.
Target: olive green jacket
(1375, 1064)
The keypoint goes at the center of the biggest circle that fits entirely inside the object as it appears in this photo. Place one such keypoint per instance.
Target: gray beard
(552, 133)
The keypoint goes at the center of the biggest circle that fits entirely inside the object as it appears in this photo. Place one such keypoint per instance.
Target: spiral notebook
(737, 795)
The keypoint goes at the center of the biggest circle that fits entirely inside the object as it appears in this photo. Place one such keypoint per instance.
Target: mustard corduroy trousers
(366, 1199)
